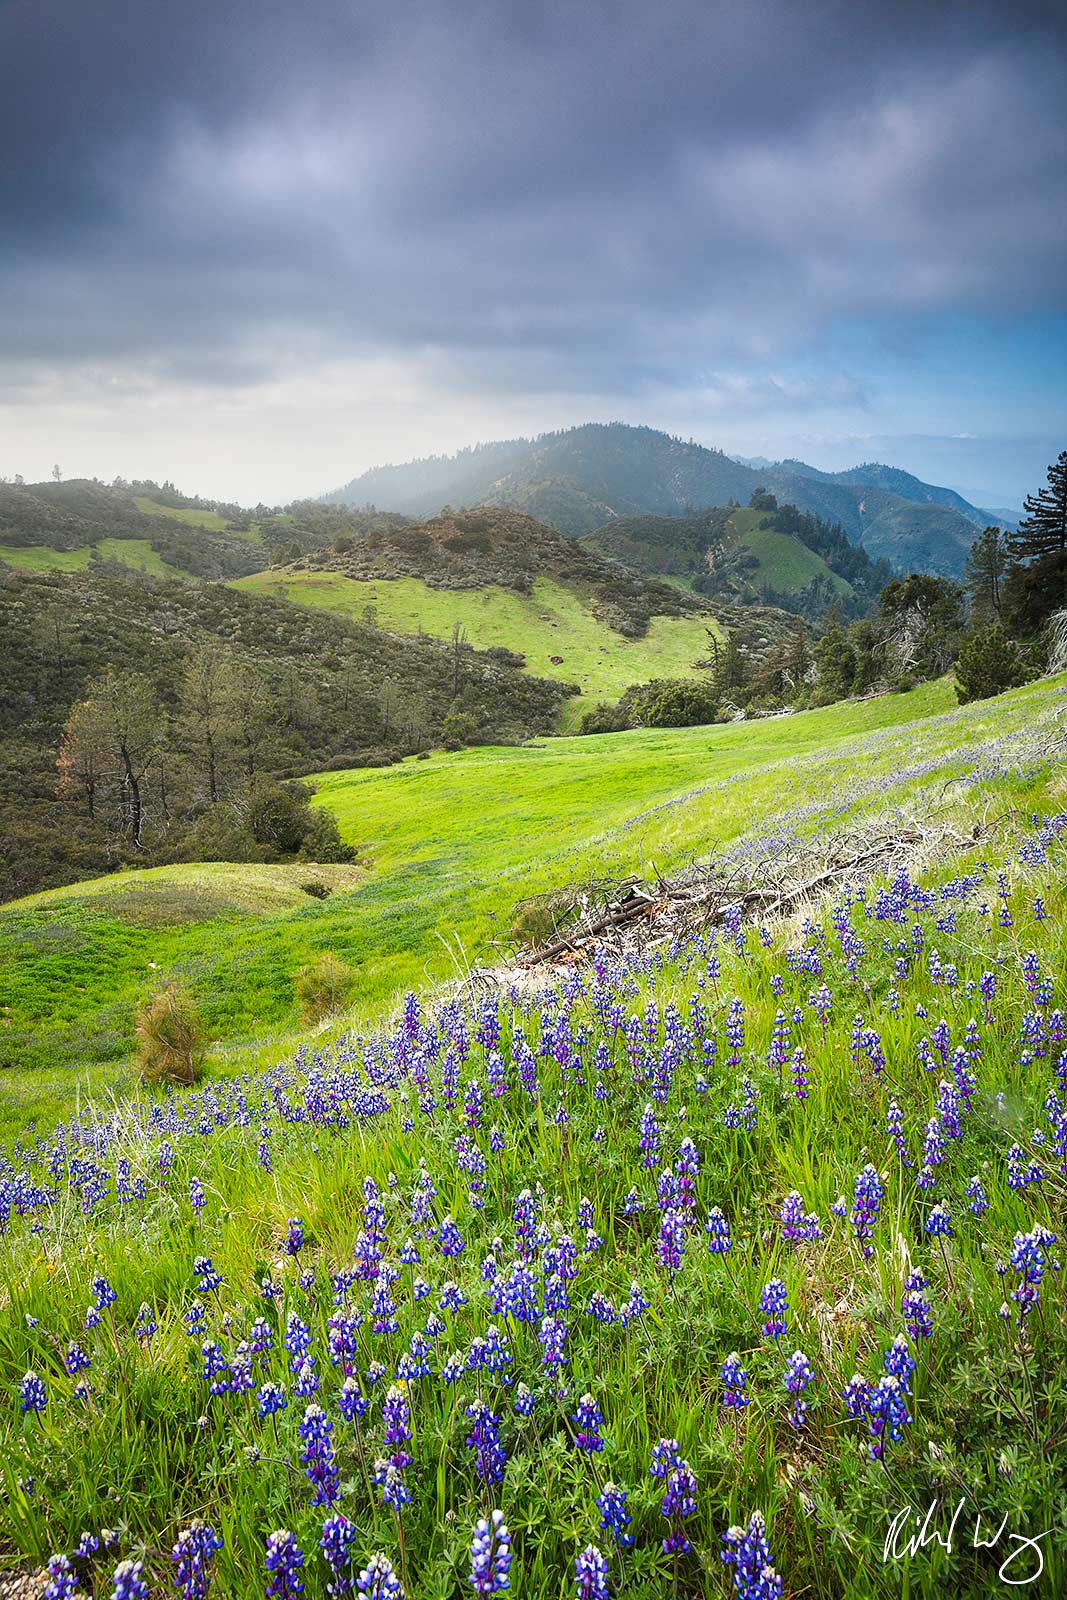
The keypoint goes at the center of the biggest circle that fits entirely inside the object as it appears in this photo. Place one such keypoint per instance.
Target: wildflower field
(681, 1272)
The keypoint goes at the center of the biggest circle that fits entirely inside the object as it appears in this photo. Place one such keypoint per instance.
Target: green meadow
(136, 553)
(449, 847)
(553, 627)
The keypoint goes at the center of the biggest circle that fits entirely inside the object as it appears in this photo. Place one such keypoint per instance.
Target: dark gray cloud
(596, 197)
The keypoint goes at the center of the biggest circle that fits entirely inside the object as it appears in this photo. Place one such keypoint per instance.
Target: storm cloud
(366, 228)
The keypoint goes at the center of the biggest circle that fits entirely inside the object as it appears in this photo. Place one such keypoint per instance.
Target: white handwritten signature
(911, 1532)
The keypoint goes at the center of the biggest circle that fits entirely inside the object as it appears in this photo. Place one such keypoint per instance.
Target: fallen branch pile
(773, 879)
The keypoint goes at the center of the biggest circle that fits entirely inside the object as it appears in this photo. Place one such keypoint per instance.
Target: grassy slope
(137, 553)
(552, 621)
(454, 844)
(189, 515)
(783, 562)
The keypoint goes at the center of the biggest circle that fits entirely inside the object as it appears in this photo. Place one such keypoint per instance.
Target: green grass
(453, 845)
(552, 621)
(189, 515)
(136, 553)
(783, 563)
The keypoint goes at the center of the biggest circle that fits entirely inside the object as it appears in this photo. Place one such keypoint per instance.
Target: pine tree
(986, 566)
(1043, 531)
(989, 662)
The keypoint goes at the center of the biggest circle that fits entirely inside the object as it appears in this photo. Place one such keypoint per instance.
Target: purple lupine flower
(338, 1539)
(490, 1554)
(396, 1414)
(283, 1561)
(588, 1420)
(590, 1574)
(146, 1325)
(774, 1303)
(271, 1399)
(490, 1458)
(1029, 1258)
(856, 1395)
(320, 1463)
(679, 1503)
(718, 1231)
(977, 1200)
(75, 1360)
(62, 1580)
(103, 1294)
(665, 1455)
(887, 1414)
(867, 1195)
(390, 1480)
(798, 1374)
(938, 1224)
(33, 1396)
(552, 1334)
(614, 1515)
(671, 1240)
(192, 1555)
(449, 1238)
(351, 1401)
(796, 1223)
(800, 1073)
(524, 1400)
(747, 1552)
(915, 1309)
(894, 1127)
(734, 1380)
(899, 1361)
(128, 1582)
(294, 1239)
(378, 1581)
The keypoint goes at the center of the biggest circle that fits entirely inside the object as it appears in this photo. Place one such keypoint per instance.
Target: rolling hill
(583, 477)
(72, 525)
(770, 554)
(568, 609)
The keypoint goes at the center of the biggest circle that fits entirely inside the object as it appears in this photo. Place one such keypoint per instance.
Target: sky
(256, 248)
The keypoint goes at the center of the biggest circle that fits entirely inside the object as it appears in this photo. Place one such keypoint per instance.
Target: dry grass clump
(170, 1037)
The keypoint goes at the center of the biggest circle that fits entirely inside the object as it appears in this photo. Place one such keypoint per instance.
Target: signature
(911, 1532)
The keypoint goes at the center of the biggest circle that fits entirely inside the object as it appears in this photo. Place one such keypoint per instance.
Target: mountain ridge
(581, 478)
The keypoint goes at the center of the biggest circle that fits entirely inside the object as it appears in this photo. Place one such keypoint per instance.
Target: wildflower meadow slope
(685, 1271)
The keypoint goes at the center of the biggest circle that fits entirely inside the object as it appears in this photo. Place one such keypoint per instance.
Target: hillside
(701, 1238)
(770, 554)
(146, 527)
(567, 609)
(582, 477)
(452, 844)
(294, 690)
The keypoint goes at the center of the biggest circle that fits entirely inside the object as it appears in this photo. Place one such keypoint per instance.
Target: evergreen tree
(989, 662)
(1043, 531)
(986, 567)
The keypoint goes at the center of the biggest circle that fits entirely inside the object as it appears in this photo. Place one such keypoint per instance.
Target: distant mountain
(582, 478)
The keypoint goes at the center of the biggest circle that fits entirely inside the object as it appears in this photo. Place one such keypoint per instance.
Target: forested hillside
(209, 692)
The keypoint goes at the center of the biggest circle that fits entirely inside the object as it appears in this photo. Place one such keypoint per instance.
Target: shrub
(989, 662)
(322, 840)
(459, 729)
(323, 986)
(170, 1037)
(219, 835)
(316, 889)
